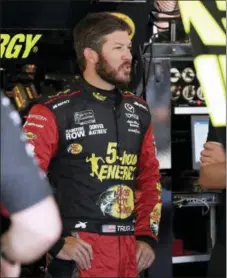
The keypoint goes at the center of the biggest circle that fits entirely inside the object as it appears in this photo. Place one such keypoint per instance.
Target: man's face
(114, 65)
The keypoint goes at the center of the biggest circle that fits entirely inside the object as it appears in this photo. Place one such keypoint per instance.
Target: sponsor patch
(140, 105)
(132, 116)
(155, 217)
(33, 124)
(133, 123)
(84, 117)
(135, 130)
(125, 228)
(60, 104)
(109, 228)
(99, 96)
(75, 133)
(117, 201)
(82, 225)
(74, 148)
(97, 129)
(37, 117)
(60, 93)
(129, 108)
(113, 166)
(30, 136)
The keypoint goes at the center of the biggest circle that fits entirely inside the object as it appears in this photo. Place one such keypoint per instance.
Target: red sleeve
(41, 131)
(148, 202)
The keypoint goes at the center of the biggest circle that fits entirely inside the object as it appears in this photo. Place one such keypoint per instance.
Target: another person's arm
(213, 176)
(27, 196)
(213, 166)
(213, 163)
(32, 232)
(148, 201)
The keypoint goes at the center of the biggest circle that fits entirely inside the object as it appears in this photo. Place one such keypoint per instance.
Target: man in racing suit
(96, 143)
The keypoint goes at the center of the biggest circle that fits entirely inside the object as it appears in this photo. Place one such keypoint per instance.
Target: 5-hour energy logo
(18, 46)
(106, 168)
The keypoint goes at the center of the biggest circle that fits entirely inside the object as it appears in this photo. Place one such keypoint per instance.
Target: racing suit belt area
(94, 170)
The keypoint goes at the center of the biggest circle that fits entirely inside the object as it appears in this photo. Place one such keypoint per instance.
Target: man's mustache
(126, 64)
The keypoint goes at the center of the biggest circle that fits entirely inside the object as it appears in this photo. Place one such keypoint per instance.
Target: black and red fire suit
(98, 149)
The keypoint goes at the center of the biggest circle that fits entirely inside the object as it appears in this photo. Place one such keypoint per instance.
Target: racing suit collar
(100, 93)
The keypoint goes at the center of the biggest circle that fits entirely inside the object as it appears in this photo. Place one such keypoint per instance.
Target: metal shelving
(191, 259)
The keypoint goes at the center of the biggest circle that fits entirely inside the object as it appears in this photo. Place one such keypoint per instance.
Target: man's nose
(127, 56)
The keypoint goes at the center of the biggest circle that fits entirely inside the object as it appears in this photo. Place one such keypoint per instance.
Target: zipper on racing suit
(118, 153)
(116, 125)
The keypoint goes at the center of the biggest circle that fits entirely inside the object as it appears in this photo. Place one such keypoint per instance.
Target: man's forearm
(213, 176)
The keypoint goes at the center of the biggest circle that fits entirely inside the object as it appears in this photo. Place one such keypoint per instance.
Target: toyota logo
(129, 108)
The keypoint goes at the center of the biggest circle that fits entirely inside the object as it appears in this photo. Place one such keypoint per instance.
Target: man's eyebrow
(122, 44)
(119, 43)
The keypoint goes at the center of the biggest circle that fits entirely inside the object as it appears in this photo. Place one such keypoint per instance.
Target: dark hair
(92, 29)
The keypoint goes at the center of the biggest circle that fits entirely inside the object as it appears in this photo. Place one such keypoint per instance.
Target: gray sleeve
(23, 184)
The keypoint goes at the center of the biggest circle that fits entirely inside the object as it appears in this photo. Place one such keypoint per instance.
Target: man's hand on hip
(77, 250)
(144, 255)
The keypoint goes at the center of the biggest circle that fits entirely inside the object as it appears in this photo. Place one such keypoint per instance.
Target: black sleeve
(22, 183)
(217, 134)
(212, 133)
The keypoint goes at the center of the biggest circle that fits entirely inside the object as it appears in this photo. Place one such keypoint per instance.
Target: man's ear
(91, 56)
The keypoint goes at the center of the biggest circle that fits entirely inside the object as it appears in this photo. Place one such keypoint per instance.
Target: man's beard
(110, 75)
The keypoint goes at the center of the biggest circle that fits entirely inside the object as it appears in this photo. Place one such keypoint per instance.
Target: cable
(142, 53)
(145, 76)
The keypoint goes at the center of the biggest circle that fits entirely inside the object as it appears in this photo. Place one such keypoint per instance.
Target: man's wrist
(57, 247)
(149, 240)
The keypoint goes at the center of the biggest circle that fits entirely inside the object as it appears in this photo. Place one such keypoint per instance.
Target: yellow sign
(210, 66)
(18, 46)
(194, 14)
(75, 148)
(129, 21)
(117, 201)
(110, 168)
